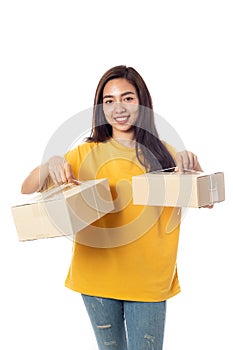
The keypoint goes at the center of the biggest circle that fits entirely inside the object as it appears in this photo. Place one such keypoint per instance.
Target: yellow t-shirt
(134, 253)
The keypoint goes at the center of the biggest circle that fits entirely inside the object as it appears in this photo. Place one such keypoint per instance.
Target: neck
(125, 138)
(125, 142)
(118, 135)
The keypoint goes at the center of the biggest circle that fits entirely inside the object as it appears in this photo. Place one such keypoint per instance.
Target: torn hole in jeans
(150, 341)
(104, 326)
(109, 343)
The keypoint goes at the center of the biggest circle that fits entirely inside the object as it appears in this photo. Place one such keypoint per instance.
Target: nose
(119, 107)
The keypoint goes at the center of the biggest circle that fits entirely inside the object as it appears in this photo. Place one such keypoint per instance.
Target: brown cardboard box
(62, 210)
(191, 189)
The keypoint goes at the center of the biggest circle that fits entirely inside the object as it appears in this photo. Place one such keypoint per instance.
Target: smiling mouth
(122, 120)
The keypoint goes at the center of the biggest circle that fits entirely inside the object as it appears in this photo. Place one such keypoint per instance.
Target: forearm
(36, 179)
(56, 171)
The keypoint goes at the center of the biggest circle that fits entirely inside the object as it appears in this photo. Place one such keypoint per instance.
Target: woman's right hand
(60, 171)
(56, 169)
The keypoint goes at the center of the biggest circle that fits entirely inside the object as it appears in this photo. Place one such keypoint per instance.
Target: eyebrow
(123, 94)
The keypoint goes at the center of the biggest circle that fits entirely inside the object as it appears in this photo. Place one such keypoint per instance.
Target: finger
(182, 161)
(57, 174)
(54, 177)
(190, 160)
(208, 206)
(195, 162)
(68, 172)
(186, 160)
(179, 163)
(62, 175)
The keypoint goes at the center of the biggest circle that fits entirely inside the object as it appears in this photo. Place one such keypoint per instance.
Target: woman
(124, 265)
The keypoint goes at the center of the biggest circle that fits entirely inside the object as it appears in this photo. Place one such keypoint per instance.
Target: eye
(128, 99)
(108, 101)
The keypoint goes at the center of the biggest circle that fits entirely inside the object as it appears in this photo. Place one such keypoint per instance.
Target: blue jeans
(126, 325)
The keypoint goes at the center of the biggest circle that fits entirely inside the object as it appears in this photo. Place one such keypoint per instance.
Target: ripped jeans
(126, 325)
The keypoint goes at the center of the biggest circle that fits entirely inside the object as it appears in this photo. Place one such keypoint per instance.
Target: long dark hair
(150, 150)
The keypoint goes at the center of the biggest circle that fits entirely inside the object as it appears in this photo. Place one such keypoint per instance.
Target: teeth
(121, 119)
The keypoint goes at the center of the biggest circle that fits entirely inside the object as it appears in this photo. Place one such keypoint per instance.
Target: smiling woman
(126, 277)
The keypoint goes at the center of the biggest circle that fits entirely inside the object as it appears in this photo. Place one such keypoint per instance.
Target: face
(120, 106)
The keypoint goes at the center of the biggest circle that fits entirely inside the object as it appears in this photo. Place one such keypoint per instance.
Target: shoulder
(80, 150)
(86, 146)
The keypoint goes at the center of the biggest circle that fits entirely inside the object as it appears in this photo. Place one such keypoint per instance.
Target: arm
(56, 170)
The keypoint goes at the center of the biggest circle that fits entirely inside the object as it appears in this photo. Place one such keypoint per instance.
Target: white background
(52, 56)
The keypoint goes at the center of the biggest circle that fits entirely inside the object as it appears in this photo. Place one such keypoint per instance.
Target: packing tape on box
(175, 172)
(213, 189)
(56, 189)
(163, 170)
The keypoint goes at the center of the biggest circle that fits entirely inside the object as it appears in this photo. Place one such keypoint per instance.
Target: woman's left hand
(186, 160)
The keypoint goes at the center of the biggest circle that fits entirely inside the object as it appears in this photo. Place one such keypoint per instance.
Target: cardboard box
(191, 189)
(62, 210)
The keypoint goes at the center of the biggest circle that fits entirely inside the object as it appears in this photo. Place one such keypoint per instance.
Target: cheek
(107, 115)
(107, 111)
(134, 110)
